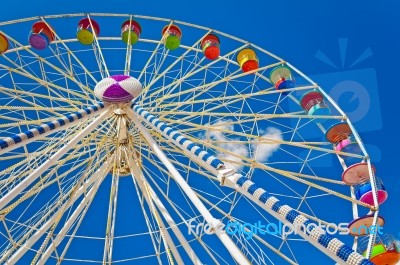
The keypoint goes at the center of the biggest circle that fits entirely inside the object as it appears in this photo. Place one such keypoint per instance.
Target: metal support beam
(213, 222)
(331, 246)
(137, 175)
(101, 173)
(40, 231)
(51, 161)
(10, 143)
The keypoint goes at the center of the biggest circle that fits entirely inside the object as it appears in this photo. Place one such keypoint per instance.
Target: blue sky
(331, 41)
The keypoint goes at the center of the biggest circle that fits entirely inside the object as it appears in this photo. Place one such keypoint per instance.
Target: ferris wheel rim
(136, 16)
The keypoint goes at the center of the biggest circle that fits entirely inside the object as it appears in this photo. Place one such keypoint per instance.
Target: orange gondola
(3, 43)
(384, 252)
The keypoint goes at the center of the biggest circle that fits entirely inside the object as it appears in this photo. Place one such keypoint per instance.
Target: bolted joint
(223, 174)
(216, 226)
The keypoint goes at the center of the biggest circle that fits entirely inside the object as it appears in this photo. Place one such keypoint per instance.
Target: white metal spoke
(109, 238)
(28, 180)
(68, 76)
(76, 192)
(234, 251)
(46, 212)
(178, 211)
(128, 56)
(148, 195)
(139, 177)
(98, 53)
(157, 77)
(70, 52)
(258, 238)
(53, 88)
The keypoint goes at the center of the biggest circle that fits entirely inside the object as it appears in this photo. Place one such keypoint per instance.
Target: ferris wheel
(129, 139)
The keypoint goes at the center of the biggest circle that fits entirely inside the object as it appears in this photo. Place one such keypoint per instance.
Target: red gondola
(210, 45)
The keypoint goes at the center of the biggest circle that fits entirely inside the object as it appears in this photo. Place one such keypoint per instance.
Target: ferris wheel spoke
(192, 72)
(70, 52)
(282, 212)
(68, 75)
(148, 195)
(20, 247)
(43, 184)
(191, 170)
(21, 139)
(152, 232)
(251, 116)
(64, 184)
(81, 210)
(214, 205)
(59, 92)
(38, 76)
(35, 174)
(231, 247)
(72, 73)
(232, 218)
(255, 237)
(150, 59)
(45, 215)
(56, 221)
(140, 179)
(301, 178)
(228, 99)
(159, 124)
(209, 85)
(157, 76)
(112, 209)
(225, 103)
(12, 109)
(182, 165)
(246, 162)
(25, 96)
(69, 200)
(220, 128)
(28, 162)
(98, 52)
(168, 182)
(45, 179)
(255, 138)
(179, 211)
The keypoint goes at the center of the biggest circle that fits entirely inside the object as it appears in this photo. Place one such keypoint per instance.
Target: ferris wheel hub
(119, 111)
(118, 89)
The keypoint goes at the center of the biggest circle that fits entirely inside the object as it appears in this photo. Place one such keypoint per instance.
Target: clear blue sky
(343, 31)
